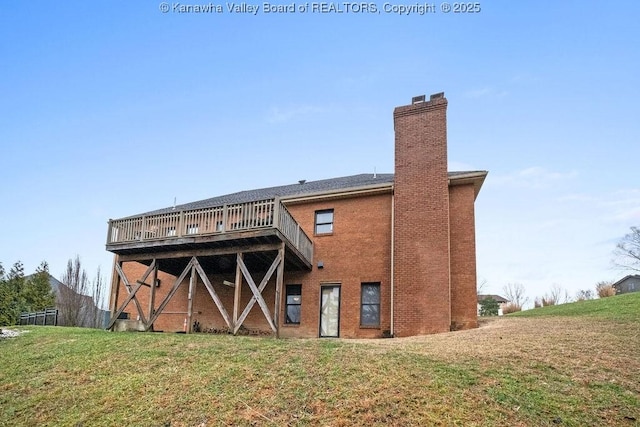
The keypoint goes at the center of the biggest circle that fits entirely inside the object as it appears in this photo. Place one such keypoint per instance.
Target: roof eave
(334, 194)
(473, 177)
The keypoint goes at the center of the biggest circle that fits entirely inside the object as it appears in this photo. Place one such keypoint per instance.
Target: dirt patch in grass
(586, 349)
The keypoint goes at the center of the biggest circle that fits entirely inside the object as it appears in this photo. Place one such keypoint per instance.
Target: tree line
(77, 298)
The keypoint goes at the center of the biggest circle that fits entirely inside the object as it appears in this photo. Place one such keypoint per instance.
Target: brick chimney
(421, 270)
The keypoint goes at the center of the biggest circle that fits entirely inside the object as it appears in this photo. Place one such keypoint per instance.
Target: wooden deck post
(225, 218)
(276, 212)
(143, 228)
(279, 283)
(192, 290)
(152, 295)
(109, 231)
(115, 287)
(181, 224)
(238, 290)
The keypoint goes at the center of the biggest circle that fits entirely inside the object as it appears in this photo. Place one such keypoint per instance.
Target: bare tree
(556, 296)
(584, 294)
(480, 287)
(98, 288)
(515, 293)
(627, 252)
(73, 302)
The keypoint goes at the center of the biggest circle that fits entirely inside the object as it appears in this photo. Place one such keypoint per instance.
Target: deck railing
(270, 213)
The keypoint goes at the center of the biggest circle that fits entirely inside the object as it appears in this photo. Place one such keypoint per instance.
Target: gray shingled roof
(311, 187)
(498, 298)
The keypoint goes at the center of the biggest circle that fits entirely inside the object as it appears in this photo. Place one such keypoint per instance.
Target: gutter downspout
(392, 254)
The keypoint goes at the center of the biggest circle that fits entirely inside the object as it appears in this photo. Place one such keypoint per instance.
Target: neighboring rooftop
(625, 278)
(303, 188)
(497, 298)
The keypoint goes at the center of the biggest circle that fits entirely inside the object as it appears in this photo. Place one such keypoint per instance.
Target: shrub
(537, 303)
(511, 307)
(605, 289)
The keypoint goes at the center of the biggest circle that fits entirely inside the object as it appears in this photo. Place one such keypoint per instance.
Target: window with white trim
(324, 221)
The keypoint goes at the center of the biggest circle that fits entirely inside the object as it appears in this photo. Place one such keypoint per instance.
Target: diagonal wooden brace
(132, 293)
(131, 296)
(171, 293)
(214, 296)
(257, 293)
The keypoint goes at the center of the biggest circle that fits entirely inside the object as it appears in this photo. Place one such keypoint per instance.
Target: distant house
(501, 302)
(630, 283)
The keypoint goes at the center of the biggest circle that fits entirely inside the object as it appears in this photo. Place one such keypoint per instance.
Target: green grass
(619, 308)
(569, 371)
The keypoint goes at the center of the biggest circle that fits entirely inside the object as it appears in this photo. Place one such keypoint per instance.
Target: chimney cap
(436, 96)
(302, 181)
(418, 99)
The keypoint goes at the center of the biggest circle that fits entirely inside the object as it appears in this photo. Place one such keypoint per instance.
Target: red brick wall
(358, 250)
(463, 257)
(421, 249)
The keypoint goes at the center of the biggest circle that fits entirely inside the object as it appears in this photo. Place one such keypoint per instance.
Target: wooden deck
(196, 228)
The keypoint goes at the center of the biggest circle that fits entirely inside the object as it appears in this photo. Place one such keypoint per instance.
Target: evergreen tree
(489, 307)
(38, 294)
(11, 299)
(5, 300)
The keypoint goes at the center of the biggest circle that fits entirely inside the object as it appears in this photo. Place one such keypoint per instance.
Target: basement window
(293, 304)
(324, 221)
(370, 305)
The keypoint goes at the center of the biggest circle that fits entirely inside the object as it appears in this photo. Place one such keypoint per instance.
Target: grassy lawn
(568, 368)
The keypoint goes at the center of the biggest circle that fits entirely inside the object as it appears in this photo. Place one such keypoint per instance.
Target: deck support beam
(192, 291)
(279, 285)
(194, 268)
(237, 291)
(152, 296)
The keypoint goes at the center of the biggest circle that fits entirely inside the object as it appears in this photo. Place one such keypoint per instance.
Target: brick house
(368, 255)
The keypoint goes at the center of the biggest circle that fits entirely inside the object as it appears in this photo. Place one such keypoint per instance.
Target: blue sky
(112, 108)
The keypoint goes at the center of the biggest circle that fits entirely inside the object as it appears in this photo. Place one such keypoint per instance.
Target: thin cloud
(618, 206)
(534, 178)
